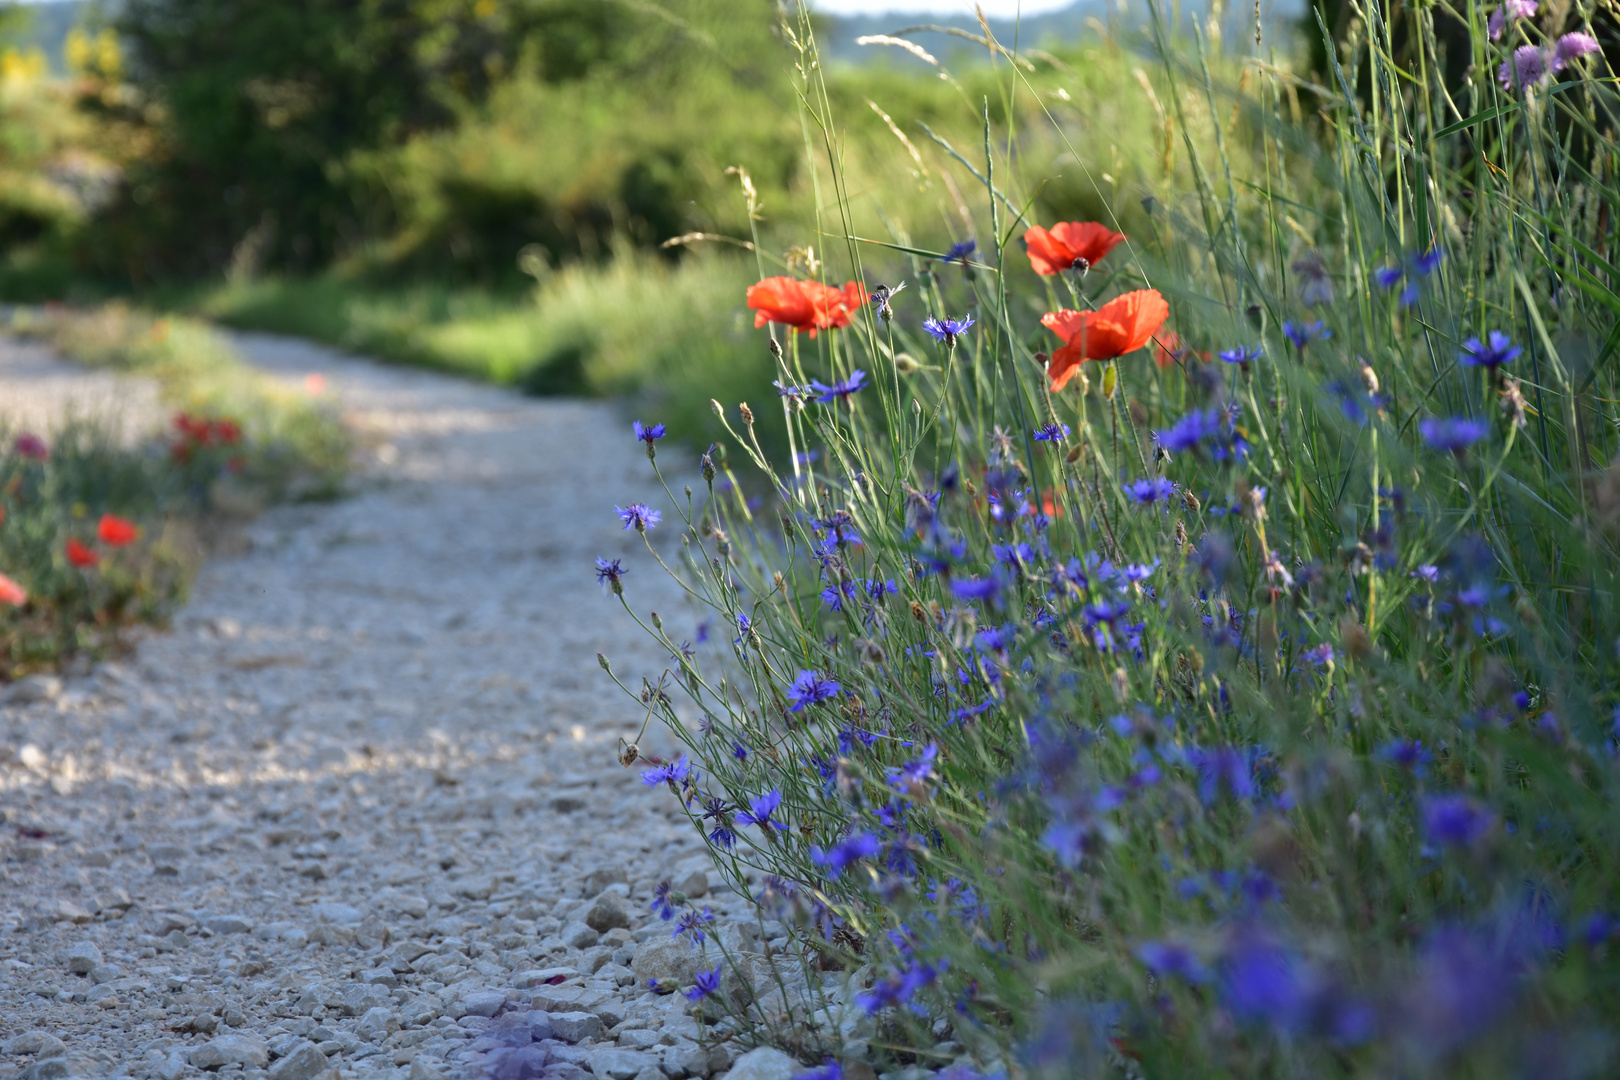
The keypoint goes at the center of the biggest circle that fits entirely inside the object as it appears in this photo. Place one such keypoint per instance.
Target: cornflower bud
(656, 621)
(719, 410)
(776, 348)
(603, 661)
(747, 414)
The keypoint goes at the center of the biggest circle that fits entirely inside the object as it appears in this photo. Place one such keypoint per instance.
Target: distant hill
(1064, 26)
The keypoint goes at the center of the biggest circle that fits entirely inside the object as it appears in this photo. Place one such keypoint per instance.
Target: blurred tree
(286, 123)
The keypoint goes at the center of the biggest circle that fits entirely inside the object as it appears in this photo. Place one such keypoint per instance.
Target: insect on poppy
(1069, 245)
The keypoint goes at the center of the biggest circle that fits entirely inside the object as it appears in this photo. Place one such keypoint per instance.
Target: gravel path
(356, 813)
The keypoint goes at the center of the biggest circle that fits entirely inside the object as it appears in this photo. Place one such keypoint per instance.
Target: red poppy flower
(1168, 349)
(12, 593)
(79, 555)
(117, 531)
(1054, 251)
(226, 432)
(807, 306)
(1123, 325)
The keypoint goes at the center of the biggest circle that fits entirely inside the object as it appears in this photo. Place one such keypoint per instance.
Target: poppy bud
(1075, 453)
(1110, 381)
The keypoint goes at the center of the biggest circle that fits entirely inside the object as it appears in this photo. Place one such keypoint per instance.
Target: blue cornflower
(661, 905)
(961, 252)
(608, 573)
(832, 597)
(839, 391)
(788, 390)
(760, 810)
(1190, 431)
(839, 528)
(975, 588)
(837, 858)
(1456, 820)
(1150, 491)
(914, 773)
(692, 923)
(809, 687)
(670, 772)
(946, 330)
(1168, 958)
(704, 983)
(739, 751)
(1420, 266)
(1052, 433)
(1497, 349)
(1427, 572)
(722, 837)
(1241, 355)
(1302, 334)
(1454, 434)
(648, 435)
(638, 516)
(1407, 754)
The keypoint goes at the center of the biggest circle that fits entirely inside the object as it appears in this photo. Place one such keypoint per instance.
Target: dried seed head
(917, 612)
(1513, 403)
(747, 414)
(628, 753)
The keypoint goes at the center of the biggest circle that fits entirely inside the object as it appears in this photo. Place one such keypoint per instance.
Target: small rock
(607, 913)
(228, 924)
(476, 888)
(34, 1043)
(599, 879)
(576, 1026)
(525, 980)
(763, 1063)
(694, 884)
(114, 899)
(414, 906)
(48, 1069)
(380, 976)
(106, 973)
(248, 1051)
(356, 999)
(66, 911)
(302, 1062)
(577, 935)
(377, 1024)
(421, 1070)
(32, 689)
(620, 1064)
(372, 933)
(682, 1061)
(668, 961)
(333, 912)
(481, 1003)
(83, 958)
(204, 1023)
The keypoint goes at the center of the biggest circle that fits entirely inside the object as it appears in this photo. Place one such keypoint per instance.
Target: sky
(995, 9)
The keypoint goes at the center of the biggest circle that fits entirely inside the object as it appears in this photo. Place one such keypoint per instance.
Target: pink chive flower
(1572, 47)
(1513, 9)
(1526, 67)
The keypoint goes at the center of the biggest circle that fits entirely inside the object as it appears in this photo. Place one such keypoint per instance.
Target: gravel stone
(481, 1003)
(303, 1062)
(763, 1063)
(83, 958)
(49, 1069)
(607, 913)
(620, 1064)
(248, 1051)
(41, 1044)
(367, 766)
(576, 1026)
